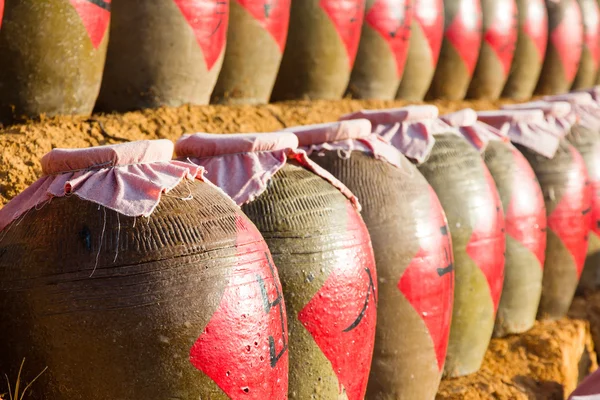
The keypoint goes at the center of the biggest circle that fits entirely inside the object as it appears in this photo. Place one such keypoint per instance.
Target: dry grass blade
(16, 396)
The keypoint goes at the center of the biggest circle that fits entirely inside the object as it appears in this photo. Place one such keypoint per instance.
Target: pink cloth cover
(242, 164)
(584, 110)
(344, 137)
(589, 389)
(476, 132)
(409, 129)
(526, 127)
(128, 178)
(557, 113)
(593, 91)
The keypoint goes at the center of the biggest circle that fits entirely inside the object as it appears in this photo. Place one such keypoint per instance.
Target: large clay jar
(585, 137)
(469, 197)
(52, 57)
(255, 42)
(590, 55)
(565, 42)
(321, 247)
(427, 30)
(468, 194)
(460, 50)
(564, 181)
(120, 292)
(530, 50)
(383, 49)
(163, 53)
(587, 142)
(321, 48)
(525, 222)
(416, 279)
(500, 26)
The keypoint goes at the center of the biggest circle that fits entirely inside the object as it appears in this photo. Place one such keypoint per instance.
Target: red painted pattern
(464, 32)
(430, 15)
(567, 39)
(95, 15)
(526, 213)
(209, 20)
(273, 16)
(428, 281)
(571, 218)
(536, 25)
(341, 316)
(347, 18)
(488, 243)
(243, 349)
(501, 35)
(392, 19)
(1, 12)
(591, 21)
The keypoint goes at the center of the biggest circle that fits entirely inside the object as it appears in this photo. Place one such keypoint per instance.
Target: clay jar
(255, 43)
(163, 53)
(469, 196)
(416, 278)
(590, 55)
(525, 222)
(427, 30)
(162, 297)
(321, 48)
(52, 57)
(470, 200)
(565, 41)
(530, 50)
(460, 50)
(383, 49)
(564, 181)
(587, 142)
(321, 247)
(500, 22)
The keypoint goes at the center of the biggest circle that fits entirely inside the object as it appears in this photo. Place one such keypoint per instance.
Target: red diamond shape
(464, 33)
(567, 39)
(526, 213)
(347, 18)
(536, 25)
(392, 19)
(209, 20)
(501, 36)
(95, 15)
(487, 243)
(341, 316)
(273, 15)
(1, 11)
(571, 218)
(430, 15)
(243, 349)
(428, 281)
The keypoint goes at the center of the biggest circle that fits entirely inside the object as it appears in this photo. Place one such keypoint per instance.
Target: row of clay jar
(57, 57)
(357, 259)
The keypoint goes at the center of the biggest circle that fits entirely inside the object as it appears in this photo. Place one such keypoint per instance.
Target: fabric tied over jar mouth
(584, 111)
(478, 133)
(559, 114)
(527, 127)
(243, 164)
(128, 178)
(410, 129)
(344, 137)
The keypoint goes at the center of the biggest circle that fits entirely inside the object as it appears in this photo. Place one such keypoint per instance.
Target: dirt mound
(545, 363)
